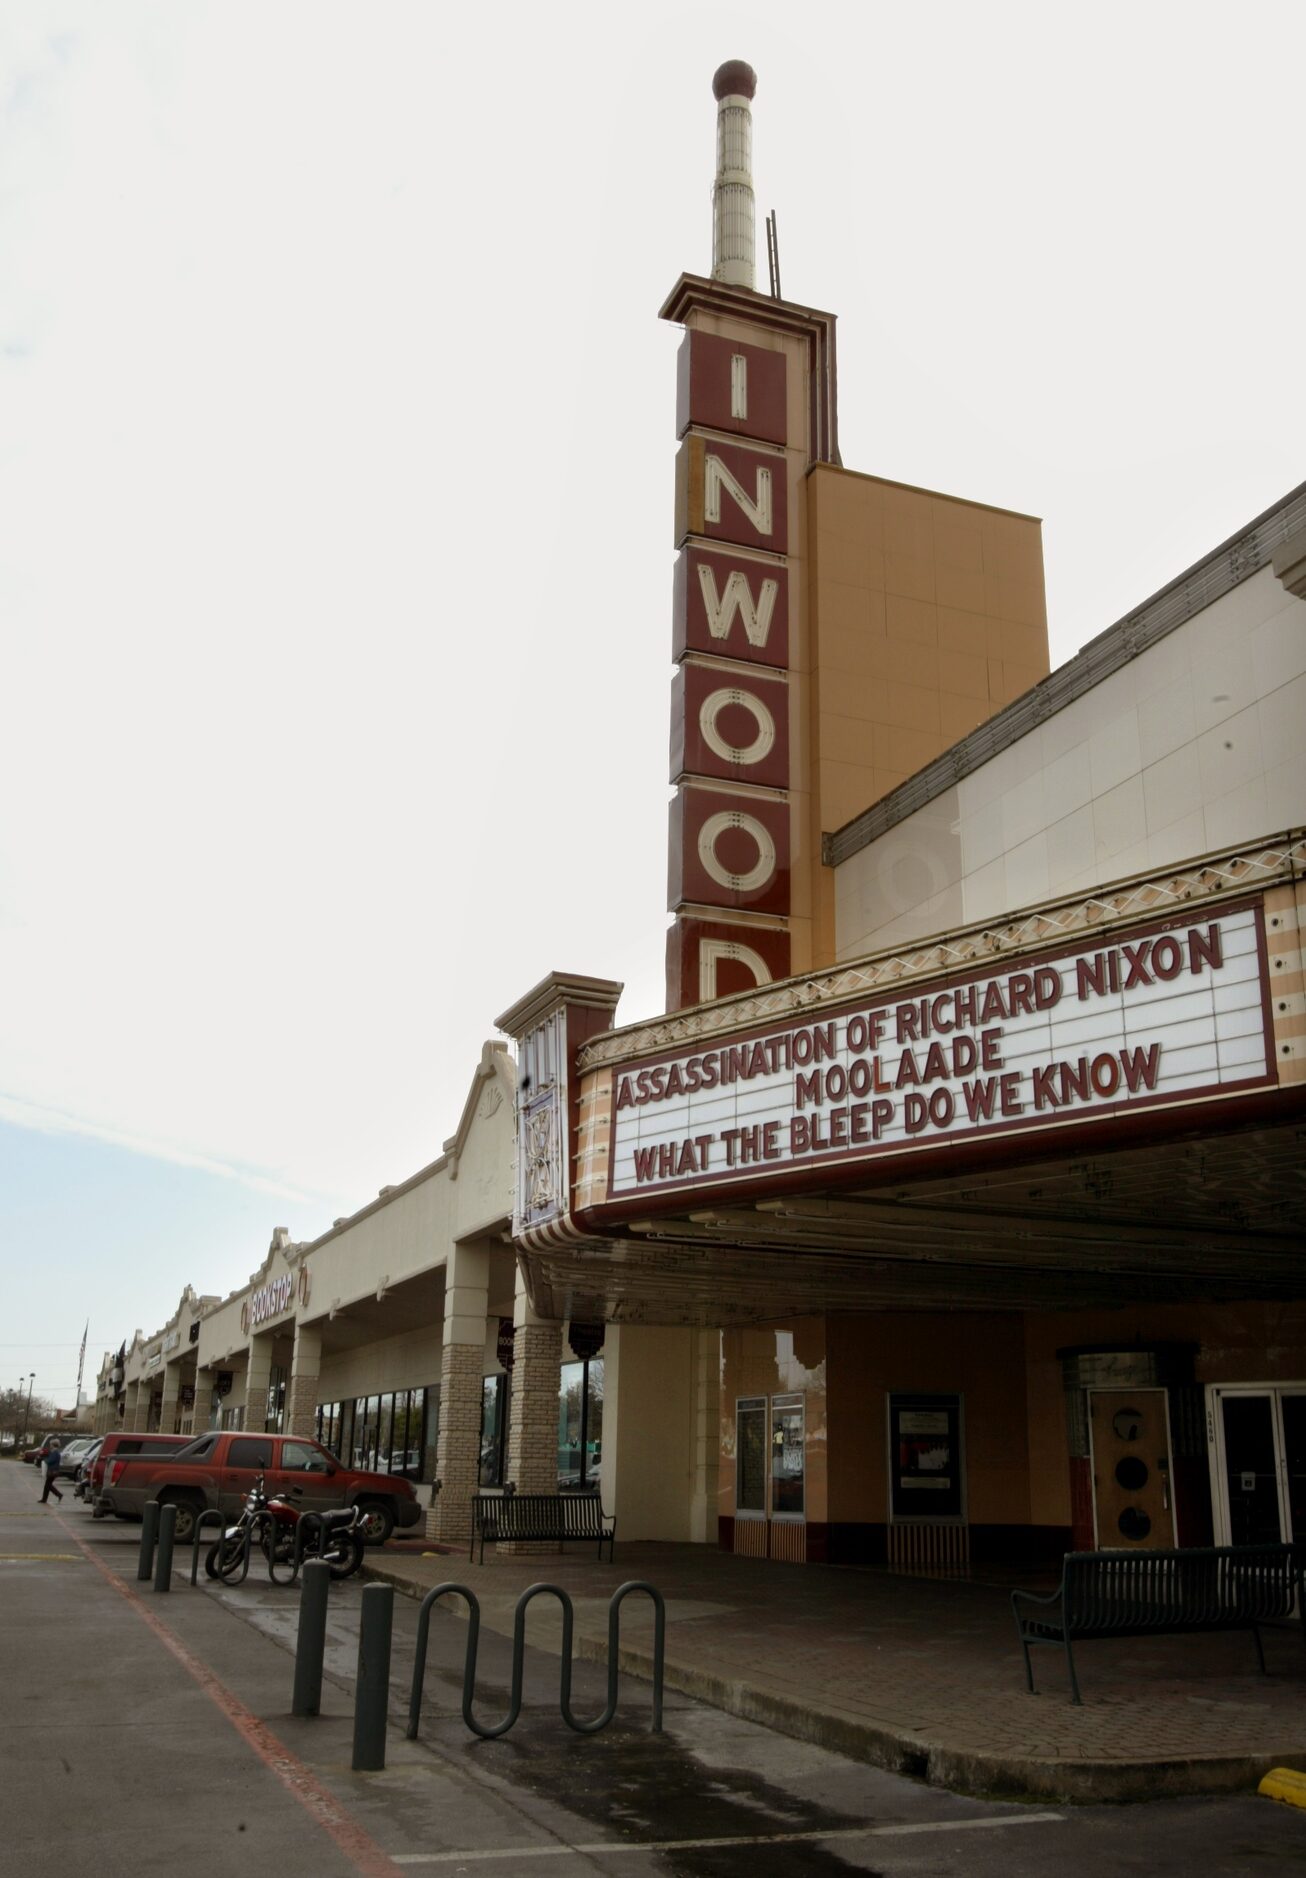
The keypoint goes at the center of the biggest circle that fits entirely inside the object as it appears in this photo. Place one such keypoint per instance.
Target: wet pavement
(923, 1675)
(142, 1730)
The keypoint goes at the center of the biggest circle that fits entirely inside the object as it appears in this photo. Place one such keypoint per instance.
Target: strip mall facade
(954, 1210)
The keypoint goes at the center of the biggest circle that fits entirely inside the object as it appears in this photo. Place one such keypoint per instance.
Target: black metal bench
(544, 1518)
(1139, 1594)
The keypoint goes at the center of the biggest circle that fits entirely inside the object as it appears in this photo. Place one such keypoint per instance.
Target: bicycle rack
(301, 1540)
(298, 1548)
(211, 1513)
(487, 1733)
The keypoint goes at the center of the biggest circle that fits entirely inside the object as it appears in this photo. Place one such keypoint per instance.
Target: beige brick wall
(301, 1405)
(533, 1418)
(458, 1451)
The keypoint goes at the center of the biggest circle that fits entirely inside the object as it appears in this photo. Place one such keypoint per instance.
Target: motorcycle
(273, 1524)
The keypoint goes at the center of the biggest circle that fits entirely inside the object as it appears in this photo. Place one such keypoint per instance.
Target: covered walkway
(920, 1675)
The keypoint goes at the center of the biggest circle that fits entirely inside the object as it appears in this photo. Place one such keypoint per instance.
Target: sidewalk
(922, 1676)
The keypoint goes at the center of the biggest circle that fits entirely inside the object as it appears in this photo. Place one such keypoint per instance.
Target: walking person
(53, 1457)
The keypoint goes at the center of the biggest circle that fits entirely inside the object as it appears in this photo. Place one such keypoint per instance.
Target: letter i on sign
(738, 385)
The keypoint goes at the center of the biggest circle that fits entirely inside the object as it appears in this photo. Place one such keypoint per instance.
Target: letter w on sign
(737, 598)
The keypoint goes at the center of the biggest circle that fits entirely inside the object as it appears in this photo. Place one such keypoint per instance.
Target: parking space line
(13, 1558)
(823, 1834)
(300, 1782)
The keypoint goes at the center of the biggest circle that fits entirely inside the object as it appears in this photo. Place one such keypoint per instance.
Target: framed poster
(926, 1465)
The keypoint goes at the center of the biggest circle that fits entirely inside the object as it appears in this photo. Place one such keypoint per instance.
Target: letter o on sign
(711, 832)
(710, 710)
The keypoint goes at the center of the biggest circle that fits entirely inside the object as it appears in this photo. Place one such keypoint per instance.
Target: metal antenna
(773, 255)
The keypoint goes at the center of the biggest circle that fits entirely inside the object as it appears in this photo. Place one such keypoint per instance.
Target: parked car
(37, 1454)
(217, 1469)
(123, 1446)
(72, 1454)
(82, 1480)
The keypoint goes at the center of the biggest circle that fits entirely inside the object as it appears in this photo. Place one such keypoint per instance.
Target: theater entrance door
(1258, 1483)
(1133, 1503)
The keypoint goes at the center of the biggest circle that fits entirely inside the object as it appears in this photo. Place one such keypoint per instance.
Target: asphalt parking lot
(144, 1731)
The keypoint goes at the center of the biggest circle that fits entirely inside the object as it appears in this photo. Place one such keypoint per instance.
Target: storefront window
(393, 1434)
(494, 1429)
(580, 1426)
(367, 1414)
(276, 1409)
(406, 1434)
(750, 1454)
(787, 1454)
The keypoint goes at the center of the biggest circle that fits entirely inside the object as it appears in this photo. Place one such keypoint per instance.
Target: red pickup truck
(217, 1469)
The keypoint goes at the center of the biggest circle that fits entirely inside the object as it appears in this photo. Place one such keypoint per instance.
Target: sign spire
(733, 212)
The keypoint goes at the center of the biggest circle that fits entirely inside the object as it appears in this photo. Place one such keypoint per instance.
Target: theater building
(953, 1211)
(970, 1154)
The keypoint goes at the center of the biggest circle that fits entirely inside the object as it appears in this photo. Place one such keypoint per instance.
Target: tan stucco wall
(928, 614)
(1191, 747)
(648, 1431)
(980, 1357)
(410, 1360)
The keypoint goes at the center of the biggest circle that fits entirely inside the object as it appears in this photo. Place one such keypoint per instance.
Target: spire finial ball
(734, 78)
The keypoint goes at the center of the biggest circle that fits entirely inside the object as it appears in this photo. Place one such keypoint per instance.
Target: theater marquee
(1175, 1012)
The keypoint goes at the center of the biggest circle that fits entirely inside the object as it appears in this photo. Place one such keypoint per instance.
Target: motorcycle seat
(337, 1517)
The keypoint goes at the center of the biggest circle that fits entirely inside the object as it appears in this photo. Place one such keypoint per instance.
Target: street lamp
(27, 1409)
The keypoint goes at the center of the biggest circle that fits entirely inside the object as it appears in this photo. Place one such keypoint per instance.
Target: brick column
(301, 1394)
(138, 1405)
(258, 1378)
(171, 1384)
(462, 1369)
(533, 1418)
(205, 1383)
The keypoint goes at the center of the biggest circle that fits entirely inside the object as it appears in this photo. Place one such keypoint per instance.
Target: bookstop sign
(1172, 1012)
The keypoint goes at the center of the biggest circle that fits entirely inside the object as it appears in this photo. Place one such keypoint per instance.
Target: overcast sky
(336, 445)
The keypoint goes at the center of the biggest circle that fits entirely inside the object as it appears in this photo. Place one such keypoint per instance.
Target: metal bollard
(372, 1689)
(310, 1645)
(149, 1533)
(167, 1532)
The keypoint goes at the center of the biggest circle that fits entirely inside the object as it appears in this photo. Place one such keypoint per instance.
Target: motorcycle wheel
(346, 1555)
(227, 1560)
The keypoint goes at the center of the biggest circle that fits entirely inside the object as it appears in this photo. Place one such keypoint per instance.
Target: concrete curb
(983, 1776)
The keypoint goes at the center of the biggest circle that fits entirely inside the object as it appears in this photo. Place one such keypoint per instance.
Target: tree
(14, 1411)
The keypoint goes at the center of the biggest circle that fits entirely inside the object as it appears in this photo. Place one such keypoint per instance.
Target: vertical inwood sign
(729, 854)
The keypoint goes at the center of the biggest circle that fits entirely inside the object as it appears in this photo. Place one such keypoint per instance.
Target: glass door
(1259, 1463)
(770, 1478)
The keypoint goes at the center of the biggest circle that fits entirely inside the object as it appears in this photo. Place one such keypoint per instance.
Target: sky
(336, 458)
